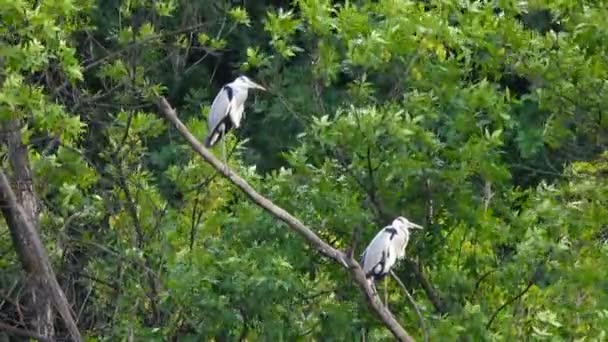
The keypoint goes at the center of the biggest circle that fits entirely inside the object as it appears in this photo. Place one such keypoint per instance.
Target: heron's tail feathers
(207, 142)
(217, 133)
(211, 139)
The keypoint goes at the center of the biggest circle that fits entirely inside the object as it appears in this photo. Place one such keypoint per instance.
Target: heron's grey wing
(376, 254)
(216, 120)
(238, 102)
(219, 108)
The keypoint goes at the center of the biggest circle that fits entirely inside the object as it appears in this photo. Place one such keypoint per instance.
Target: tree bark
(20, 209)
(37, 305)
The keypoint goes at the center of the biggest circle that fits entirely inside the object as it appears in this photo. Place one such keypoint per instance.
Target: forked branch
(311, 238)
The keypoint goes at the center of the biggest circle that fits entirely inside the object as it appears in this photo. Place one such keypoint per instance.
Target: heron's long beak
(413, 225)
(255, 85)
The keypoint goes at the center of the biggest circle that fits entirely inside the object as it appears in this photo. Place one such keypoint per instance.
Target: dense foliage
(481, 120)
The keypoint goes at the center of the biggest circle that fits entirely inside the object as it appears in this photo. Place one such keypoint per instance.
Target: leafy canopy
(481, 121)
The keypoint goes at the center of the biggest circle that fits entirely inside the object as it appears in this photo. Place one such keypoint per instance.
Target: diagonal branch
(305, 232)
(260, 200)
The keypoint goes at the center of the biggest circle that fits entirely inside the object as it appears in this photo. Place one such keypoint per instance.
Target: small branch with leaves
(292, 222)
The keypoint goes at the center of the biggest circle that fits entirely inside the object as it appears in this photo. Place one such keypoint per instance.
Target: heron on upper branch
(387, 247)
(227, 110)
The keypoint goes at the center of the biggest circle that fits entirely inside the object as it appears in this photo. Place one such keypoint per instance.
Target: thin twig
(507, 303)
(481, 279)
(141, 42)
(114, 286)
(131, 209)
(119, 52)
(425, 330)
(84, 303)
(116, 254)
(207, 52)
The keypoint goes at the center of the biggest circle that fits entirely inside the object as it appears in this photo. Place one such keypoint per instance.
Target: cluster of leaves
(484, 123)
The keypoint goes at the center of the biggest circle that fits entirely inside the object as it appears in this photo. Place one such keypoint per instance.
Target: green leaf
(239, 15)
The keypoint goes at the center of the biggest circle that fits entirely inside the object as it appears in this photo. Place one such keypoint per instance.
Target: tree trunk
(38, 308)
(20, 209)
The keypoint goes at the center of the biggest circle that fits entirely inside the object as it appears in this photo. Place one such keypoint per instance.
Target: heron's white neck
(406, 233)
(404, 230)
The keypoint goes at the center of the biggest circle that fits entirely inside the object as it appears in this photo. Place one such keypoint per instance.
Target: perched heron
(387, 247)
(227, 110)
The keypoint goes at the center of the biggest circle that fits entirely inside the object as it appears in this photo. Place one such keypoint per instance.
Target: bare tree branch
(25, 235)
(312, 239)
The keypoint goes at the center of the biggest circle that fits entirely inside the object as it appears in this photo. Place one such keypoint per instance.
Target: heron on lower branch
(387, 247)
(227, 110)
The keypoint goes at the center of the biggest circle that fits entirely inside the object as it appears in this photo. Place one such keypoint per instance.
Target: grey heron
(386, 248)
(227, 110)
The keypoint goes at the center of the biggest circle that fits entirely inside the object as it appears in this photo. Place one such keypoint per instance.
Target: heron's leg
(224, 153)
(386, 292)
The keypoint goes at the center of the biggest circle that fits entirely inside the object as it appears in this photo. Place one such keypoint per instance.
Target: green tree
(482, 121)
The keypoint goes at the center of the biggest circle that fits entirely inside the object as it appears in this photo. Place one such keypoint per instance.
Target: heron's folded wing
(219, 108)
(376, 252)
